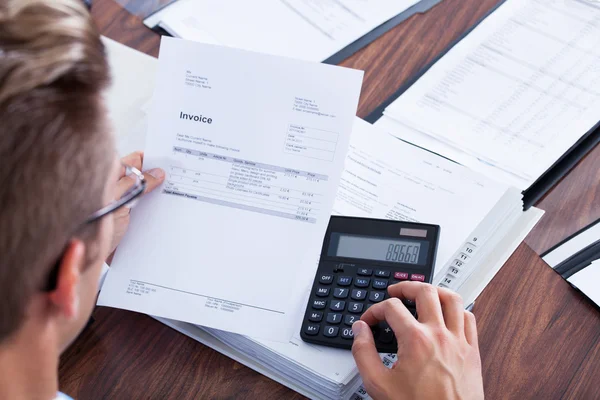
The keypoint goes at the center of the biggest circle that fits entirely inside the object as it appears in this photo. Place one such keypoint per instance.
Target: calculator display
(377, 248)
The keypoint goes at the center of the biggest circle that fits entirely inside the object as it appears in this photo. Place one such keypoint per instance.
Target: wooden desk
(539, 338)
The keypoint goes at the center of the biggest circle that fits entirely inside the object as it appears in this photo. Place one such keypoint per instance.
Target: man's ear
(66, 297)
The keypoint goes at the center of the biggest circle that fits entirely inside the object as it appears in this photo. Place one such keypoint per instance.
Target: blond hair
(55, 149)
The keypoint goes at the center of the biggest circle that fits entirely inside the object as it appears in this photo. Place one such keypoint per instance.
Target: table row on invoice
(244, 184)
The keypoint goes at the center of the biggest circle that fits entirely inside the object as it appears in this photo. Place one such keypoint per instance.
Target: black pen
(469, 308)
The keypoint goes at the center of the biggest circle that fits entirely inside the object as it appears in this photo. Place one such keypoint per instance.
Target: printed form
(516, 93)
(253, 146)
(310, 30)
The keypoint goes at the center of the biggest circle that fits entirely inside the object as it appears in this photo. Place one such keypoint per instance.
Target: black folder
(550, 177)
(577, 261)
(420, 7)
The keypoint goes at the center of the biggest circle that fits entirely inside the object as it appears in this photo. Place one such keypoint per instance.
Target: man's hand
(438, 355)
(154, 178)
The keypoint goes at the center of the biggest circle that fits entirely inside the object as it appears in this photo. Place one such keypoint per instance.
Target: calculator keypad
(340, 298)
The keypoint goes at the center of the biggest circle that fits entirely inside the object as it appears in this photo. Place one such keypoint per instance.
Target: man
(64, 208)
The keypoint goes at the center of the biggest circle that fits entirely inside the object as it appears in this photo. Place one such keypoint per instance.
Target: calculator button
(379, 284)
(365, 271)
(417, 277)
(319, 304)
(347, 333)
(386, 335)
(311, 329)
(334, 318)
(326, 279)
(337, 305)
(376, 297)
(340, 293)
(408, 303)
(315, 316)
(344, 280)
(355, 307)
(359, 294)
(331, 331)
(382, 273)
(401, 276)
(323, 292)
(350, 319)
(362, 282)
(368, 306)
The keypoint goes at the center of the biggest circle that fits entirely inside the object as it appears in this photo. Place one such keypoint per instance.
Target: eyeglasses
(127, 199)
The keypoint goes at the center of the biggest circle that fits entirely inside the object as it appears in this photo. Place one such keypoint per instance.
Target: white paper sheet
(518, 91)
(588, 280)
(387, 178)
(310, 30)
(253, 146)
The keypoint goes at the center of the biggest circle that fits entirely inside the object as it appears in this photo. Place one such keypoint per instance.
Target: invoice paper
(253, 146)
(305, 29)
(517, 92)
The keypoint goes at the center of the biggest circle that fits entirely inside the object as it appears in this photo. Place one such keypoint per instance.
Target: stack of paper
(387, 178)
(512, 96)
(383, 177)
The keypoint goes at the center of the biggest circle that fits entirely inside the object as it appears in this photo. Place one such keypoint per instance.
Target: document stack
(482, 223)
(517, 99)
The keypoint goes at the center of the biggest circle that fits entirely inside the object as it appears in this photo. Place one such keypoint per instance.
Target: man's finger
(154, 178)
(470, 328)
(454, 310)
(393, 312)
(135, 159)
(426, 296)
(365, 354)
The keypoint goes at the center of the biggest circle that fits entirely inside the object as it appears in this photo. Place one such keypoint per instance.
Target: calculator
(360, 258)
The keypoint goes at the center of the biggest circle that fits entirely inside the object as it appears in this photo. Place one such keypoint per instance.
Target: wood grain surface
(539, 338)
